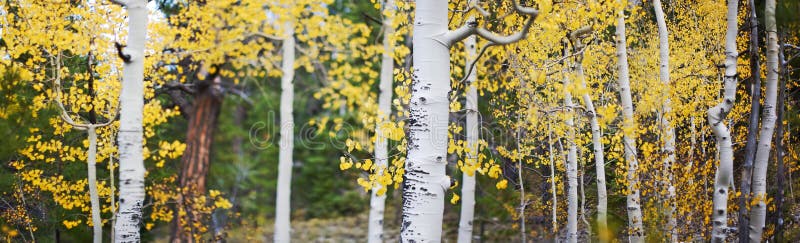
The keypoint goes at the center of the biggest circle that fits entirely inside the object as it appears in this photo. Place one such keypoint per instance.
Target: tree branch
(121, 3)
(370, 18)
(184, 105)
(791, 46)
(472, 65)
(120, 51)
(265, 36)
(64, 115)
(57, 86)
(179, 86)
(471, 28)
(579, 33)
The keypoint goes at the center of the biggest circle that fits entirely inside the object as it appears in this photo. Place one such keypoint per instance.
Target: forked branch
(64, 115)
(472, 28)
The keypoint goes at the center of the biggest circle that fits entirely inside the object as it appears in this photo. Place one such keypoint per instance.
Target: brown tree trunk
(196, 158)
(199, 137)
(779, 147)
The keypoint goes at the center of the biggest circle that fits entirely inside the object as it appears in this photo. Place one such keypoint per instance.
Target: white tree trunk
(669, 130)
(377, 202)
(425, 180)
(283, 206)
(468, 179)
(636, 232)
(131, 162)
(716, 115)
(759, 211)
(599, 157)
(113, 189)
(94, 198)
(572, 160)
(553, 188)
(91, 157)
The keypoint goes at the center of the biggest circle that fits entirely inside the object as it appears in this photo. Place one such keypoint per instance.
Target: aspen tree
(552, 174)
(77, 34)
(636, 230)
(302, 24)
(131, 164)
(378, 196)
(572, 157)
(283, 206)
(669, 130)
(91, 158)
(780, 147)
(425, 179)
(468, 177)
(597, 144)
(752, 127)
(716, 115)
(758, 213)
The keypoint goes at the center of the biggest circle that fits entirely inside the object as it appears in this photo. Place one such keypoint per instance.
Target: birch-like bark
(131, 162)
(669, 130)
(283, 206)
(377, 202)
(752, 127)
(425, 180)
(597, 144)
(636, 232)
(716, 116)
(553, 178)
(97, 221)
(572, 160)
(758, 213)
(468, 178)
(91, 154)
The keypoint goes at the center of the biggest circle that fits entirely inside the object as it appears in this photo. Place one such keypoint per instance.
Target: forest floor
(340, 229)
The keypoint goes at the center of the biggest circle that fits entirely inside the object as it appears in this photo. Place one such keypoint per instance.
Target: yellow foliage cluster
(61, 41)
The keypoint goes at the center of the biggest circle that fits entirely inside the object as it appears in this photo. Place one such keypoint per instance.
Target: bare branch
(579, 33)
(472, 65)
(180, 86)
(241, 94)
(121, 52)
(265, 36)
(122, 3)
(370, 18)
(561, 59)
(471, 28)
(481, 10)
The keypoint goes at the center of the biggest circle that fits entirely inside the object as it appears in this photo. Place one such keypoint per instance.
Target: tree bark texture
(716, 115)
(752, 127)
(131, 170)
(425, 181)
(377, 202)
(758, 213)
(636, 231)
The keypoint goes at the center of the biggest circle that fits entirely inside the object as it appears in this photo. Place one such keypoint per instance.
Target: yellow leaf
(502, 184)
(455, 198)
